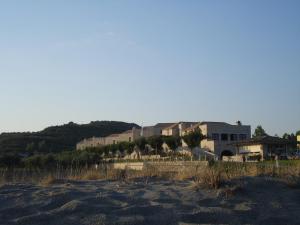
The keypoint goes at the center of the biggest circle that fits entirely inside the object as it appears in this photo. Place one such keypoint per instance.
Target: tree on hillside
(298, 132)
(259, 131)
(42, 146)
(30, 147)
(194, 138)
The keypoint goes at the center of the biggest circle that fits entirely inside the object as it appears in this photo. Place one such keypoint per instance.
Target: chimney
(239, 123)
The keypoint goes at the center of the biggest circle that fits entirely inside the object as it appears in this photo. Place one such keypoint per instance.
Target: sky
(150, 61)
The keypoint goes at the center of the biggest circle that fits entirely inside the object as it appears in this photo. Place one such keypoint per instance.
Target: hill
(58, 138)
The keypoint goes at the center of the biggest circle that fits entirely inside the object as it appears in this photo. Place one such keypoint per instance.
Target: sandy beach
(156, 201)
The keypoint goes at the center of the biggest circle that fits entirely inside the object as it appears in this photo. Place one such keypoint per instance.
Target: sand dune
(259, 201)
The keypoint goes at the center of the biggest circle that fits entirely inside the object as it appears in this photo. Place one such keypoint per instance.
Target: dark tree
(259, 131)
(156, 142)
(141, 143)
(194, 138)
(172, 142)
(290, 137)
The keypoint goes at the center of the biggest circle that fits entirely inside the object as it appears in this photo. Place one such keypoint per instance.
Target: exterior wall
(128, 136)
(208, 145)
(204, 129)
(170, 131)
(151, 131)
(253, 149)
(167, 132)
(110, 140)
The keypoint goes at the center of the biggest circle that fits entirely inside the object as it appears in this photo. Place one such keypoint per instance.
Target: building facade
(220, 135)
(94, 142)
(298, 141)
(155, 130)
(265, 147)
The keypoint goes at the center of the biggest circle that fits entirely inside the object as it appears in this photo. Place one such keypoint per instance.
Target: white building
(220, 136)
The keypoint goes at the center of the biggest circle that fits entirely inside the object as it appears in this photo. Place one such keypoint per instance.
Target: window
(129, 139)
(243, 137)
(224, 137)
(215, 137)
(233, 137)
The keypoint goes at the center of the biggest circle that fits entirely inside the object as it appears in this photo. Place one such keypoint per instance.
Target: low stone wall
(129, 165)
(176, 166)
(161, 166)
(236, 158)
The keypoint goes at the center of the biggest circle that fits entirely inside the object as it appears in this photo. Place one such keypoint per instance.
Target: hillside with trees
(58, 138)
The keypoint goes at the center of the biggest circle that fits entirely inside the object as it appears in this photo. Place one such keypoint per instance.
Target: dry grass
(214, 176)
(211, 177)
(47, 181)
(121, 175)
(87, 175)
(186, 174)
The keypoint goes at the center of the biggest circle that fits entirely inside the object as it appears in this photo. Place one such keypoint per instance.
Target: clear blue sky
(150, 61)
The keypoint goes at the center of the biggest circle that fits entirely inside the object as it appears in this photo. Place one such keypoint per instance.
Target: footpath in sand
(157, 201)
